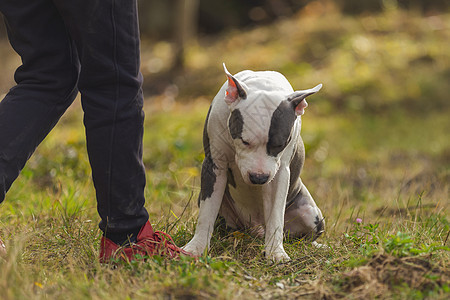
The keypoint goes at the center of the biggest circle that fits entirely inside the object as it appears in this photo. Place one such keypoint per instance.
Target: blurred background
(361, 50)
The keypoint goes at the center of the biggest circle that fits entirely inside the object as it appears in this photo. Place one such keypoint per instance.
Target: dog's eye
(245, 143)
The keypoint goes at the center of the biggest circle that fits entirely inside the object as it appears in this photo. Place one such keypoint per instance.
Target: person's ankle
(123, 238)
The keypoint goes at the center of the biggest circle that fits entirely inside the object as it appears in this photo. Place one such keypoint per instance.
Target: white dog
(253, 158)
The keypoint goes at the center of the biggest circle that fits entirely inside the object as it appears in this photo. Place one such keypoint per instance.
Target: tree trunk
(186, 14)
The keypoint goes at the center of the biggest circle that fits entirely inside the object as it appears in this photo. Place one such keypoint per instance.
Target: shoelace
(169, 244)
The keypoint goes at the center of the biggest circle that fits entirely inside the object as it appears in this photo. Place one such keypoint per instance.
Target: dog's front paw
(194, 248)
(278, 256)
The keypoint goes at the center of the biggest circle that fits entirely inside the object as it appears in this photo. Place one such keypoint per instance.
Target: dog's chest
(247, 199)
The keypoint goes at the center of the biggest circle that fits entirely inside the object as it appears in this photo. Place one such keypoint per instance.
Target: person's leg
(107, 37)
(46, 82)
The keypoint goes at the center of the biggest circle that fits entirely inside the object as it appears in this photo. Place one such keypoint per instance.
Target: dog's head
(262, 120)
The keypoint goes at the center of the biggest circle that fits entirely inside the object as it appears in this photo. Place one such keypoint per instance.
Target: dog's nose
(257, 178)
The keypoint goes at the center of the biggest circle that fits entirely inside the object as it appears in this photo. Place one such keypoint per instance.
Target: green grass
(377, 149)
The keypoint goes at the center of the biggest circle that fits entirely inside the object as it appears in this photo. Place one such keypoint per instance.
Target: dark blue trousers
(90, 46)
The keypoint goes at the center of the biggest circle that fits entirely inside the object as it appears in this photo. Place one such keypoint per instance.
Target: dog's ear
(298, 101)
(234, 91)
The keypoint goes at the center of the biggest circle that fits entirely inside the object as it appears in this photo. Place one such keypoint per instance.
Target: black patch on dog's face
(283, 119)
(236, 124)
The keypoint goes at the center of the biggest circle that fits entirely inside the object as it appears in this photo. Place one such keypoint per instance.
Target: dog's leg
(274, 201)
(303, 219)
(209, 208)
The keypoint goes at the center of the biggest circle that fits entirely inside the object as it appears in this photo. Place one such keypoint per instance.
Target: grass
(377, 151)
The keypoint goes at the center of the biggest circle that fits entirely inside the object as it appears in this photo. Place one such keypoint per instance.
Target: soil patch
(385, 272)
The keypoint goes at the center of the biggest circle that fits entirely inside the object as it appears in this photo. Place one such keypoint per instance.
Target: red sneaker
(149, 243)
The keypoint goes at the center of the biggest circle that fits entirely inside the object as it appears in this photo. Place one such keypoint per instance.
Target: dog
(253, 158)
